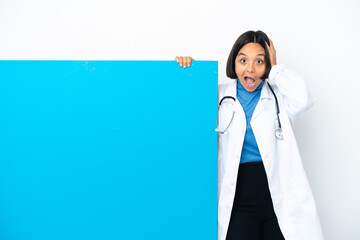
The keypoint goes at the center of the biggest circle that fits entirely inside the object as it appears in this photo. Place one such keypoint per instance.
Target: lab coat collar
(266, 94)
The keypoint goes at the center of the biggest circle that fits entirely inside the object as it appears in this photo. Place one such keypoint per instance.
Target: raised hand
(184, 61)
(272, 52)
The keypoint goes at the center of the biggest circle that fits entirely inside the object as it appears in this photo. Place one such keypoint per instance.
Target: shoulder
(226, 88)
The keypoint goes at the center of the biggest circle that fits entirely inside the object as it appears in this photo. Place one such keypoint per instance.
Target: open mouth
(249, 82)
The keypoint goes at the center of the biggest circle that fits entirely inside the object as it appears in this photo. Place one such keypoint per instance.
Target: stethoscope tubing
(277, 105)
(278, 131)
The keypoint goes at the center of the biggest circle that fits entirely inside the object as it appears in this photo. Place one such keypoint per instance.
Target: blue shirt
(248, 100)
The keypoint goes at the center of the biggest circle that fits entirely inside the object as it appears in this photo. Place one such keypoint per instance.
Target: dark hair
(248, 37)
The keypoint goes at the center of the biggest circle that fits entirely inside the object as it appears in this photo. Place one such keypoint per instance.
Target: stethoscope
(278, 131)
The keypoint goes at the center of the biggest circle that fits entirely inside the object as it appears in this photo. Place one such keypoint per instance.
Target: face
(250, 65)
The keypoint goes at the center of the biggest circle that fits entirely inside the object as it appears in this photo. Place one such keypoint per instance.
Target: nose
(250, 68)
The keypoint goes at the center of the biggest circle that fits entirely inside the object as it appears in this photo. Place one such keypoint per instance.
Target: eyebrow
(261, 54)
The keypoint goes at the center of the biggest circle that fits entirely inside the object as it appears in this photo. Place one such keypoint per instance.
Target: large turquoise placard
(108, 150)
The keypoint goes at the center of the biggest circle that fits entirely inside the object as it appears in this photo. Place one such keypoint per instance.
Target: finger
(272, 46)
(188, 61)
(181, 61)
(268, 44)
(271, 43)
(184, 62)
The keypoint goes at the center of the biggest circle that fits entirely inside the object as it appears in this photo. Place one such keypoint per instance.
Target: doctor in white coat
(263, 190)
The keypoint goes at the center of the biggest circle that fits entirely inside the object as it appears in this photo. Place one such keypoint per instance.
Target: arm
(291, 86)
(296, 97)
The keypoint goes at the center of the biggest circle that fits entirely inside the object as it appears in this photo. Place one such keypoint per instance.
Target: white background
(318, 39)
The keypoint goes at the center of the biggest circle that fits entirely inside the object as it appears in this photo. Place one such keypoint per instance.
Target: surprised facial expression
(250, 65)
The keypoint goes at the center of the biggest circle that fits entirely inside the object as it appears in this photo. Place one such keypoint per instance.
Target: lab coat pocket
(302, 192)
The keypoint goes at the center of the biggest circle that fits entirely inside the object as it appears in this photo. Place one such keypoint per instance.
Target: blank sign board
(108, 150)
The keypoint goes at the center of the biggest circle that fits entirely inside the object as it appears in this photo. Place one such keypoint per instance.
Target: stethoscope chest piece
(279, 134)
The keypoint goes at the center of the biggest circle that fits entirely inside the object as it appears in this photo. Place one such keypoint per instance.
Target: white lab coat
(289, 187)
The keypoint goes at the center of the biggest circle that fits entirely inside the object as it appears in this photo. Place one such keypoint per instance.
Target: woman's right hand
(184, 61)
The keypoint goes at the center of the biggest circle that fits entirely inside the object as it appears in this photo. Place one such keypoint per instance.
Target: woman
(263, 191)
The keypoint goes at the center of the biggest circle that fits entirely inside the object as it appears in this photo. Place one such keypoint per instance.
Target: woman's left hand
(272, 52)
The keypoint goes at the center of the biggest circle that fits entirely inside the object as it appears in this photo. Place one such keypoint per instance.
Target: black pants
(253, 216)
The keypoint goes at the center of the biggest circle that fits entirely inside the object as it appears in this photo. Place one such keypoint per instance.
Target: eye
(242, 60)
(260, 61)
